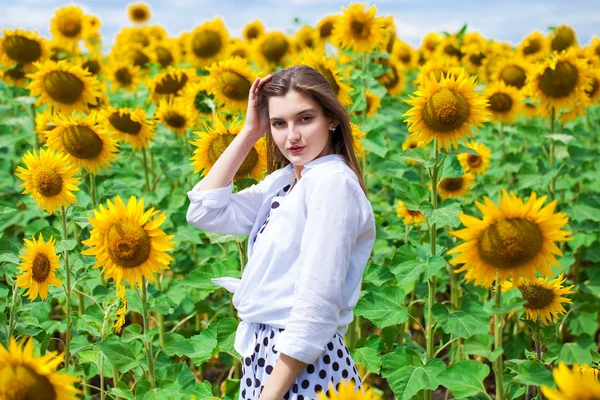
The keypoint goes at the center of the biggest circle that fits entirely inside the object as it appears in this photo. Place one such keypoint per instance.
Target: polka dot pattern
(334, 365)
(275, 203)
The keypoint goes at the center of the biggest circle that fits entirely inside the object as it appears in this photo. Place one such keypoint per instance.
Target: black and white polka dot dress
(334, 365)
(275, 203)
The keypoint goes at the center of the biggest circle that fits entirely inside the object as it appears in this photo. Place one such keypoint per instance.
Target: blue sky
(507, 20)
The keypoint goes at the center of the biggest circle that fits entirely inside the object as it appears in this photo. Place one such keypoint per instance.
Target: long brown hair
(309, 81)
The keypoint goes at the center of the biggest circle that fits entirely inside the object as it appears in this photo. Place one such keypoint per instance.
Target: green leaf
(578, 352)
(369, 358)
(122, 390)
(419, 155)
(446, 215)
(204, 345)
(383, 307)
(583, 212)
(178, 373)
(464, 378)
(200, 277)
(533, 373)
(176, 344)
(412, 194)
(451, 168)
(63, 245)
(408, 267)
(374, 142)
(470, 320)
(203, 391)
(123, 357)
(480, 345)
(560, 137)
(405, 379)
(224, 238)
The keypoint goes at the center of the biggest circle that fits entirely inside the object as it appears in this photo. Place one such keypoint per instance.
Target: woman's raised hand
(257, 116)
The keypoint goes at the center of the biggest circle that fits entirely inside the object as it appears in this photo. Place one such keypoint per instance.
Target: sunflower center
(92, 65)
(533, 47)
(48, 182)
(123, 76)
(234, 86)
(139, 14)
(513, 75)
(359, 29)
(252, 33)
(40, 268)
(200, 104)
(474, 160)
(128, 244)
(140, 37)
(63, 86)
(500, 102)
(171, 85)
(404, 55)
(537, 297)
(330, 78)
(477, 59)
(414, 213)
(206, 43)
(22, 49)
(560, 81)
(274, 48)
(564, 37)
(453, 51)
(70, 27)
(164, 56)
(510, 243)
(390, 78)
(240, 52)
(124, 123)
(218, 146)
(445, 111)
(15, 73)
(29, 385)
(140, 59)
(174, 119)
(326, 30)
(594, 88)
(82, 142)
(452, 184)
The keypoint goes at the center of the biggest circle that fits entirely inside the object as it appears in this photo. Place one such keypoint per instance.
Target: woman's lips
(296, 150)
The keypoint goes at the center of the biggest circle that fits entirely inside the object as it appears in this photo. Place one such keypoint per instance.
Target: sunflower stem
(148, 344)
(13, 307)
(35, 135)
(498, 364)
(538, 350)
(160, 317)
(67, 289)
(365, 68)
(551, 152)
(146, 170)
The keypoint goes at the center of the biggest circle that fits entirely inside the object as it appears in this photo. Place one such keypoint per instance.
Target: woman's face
(298, 121)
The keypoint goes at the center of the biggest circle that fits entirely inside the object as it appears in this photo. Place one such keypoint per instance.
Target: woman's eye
(275, 124)
(307, 118)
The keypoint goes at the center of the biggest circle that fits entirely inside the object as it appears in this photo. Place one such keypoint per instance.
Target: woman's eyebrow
(300, 112)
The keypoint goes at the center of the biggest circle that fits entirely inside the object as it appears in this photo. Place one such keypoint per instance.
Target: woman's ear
(332, 125)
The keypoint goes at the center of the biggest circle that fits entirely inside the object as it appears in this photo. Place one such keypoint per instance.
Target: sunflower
(67, 26)
(543, 299)
(133, 35)
(513, 239)
(120, 315)
(122, 75)
(456, 187)
(411, 143)
(404, 53)
(92, 24)
(208, 42)
(593, 49)
(176, 115)
(39, 264)
(410, 217)
(430, 42)
(130, 126)
(329, 68)
(252, 30)
(271, 49)
(171, 83)
(214, 140)
(560, 82)
(66, 86)
(231, 80)
(512, 70)
(102, 102)
(139, 12)
(23, 376)
(449, 46)
(239, 48)
(592, 90)
(476, 163)
(562, 38)
(347, 390)
(49, 177)
(134, 53)
(93, 43)
(22, 47)
(93, 63)
(15, 76)
(473, 59)
(571, 115)
(389, 27)
(44, 122)
(530, 110)
(165, 52)
(373, 104)
(393, 78)
(440, 67)
(127, 244)
(474, 38)
(579, 383)
(505, 102)
(446, 110)
(533, 46)
(196, 96)
(84, 140)
(359, 29)
(306, 38)
(357, 136)
(325, 27)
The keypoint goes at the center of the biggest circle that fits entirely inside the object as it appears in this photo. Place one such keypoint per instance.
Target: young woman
(311, 232)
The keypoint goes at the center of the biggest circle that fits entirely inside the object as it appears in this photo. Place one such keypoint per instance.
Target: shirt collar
(315, 162)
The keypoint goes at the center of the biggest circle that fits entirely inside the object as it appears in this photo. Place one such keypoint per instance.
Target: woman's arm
(283, 375)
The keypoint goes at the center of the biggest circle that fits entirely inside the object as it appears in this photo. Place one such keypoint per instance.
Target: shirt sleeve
(330, 234)
(222, 211)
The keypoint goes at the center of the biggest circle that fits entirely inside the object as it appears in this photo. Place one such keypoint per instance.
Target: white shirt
(306, 271)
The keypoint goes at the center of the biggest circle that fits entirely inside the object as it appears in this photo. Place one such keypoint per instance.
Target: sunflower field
(480, 160)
